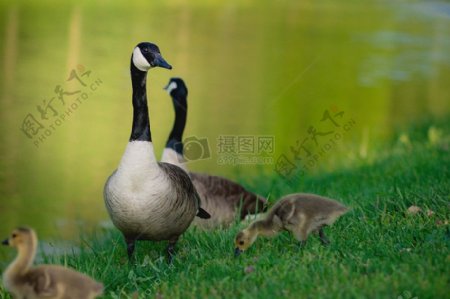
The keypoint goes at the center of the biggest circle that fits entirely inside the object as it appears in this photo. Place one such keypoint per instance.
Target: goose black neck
(141, 121)
(176, 135)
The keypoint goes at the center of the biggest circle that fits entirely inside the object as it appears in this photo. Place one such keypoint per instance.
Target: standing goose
(147, 200)
(23, 280)
(221, 197)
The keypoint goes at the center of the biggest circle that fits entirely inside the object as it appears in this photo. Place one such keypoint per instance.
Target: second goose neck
(176, 135)
(141, 121)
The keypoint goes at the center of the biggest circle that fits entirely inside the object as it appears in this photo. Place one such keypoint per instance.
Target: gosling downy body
(221, 197)
(299, 213)
(147, 200)
(44, 281)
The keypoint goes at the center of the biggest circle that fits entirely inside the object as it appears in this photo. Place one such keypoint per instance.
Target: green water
(253, 68)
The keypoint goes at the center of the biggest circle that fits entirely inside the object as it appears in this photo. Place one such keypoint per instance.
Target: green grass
(377, 250)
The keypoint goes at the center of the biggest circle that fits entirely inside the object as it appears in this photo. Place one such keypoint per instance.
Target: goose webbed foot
(323, 239)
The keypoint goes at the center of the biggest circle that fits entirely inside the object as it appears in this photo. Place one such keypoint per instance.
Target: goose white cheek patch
(172, 86)
(139, 60)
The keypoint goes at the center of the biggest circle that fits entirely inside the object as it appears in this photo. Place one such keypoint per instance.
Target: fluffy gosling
(299, 213)
(45, 281)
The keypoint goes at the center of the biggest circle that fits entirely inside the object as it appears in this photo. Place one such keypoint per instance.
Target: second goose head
(146, 56)
(177, 89)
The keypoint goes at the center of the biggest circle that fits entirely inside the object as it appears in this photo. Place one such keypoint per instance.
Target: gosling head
(146, 56)
(21, 237)
(244, 239)
(176, 88)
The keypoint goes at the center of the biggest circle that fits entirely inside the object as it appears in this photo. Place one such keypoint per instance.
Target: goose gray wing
(219, 191)
(184, 186)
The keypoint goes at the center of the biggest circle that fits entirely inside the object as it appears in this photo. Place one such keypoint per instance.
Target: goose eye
(241, 242)
(145, 50)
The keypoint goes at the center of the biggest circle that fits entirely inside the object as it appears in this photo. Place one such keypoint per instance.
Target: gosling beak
(159, 61)
(5, 242)
(237, 252)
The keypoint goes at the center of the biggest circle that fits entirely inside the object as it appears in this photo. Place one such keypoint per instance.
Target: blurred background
(274, 69)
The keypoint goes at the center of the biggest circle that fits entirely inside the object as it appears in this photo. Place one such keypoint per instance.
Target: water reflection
(252, 69)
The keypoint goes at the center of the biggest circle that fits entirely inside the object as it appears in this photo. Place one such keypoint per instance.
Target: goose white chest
(172, 157)
(138, 193)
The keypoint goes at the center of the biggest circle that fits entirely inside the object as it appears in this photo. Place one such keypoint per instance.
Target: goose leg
(171, 249)
(301, 235)
(130, 247)
(323, 238)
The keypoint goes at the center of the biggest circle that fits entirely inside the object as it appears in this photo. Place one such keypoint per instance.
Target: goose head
(176, 88)
(244, 239)
(21, 237)
(146, 56)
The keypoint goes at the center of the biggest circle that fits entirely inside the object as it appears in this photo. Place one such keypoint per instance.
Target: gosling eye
(14, 235)
(241, 242)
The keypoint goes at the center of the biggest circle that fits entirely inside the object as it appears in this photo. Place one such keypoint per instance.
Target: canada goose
(147, 200)
(299, 213)
(222, 198)
(45, 281)
(173, 152)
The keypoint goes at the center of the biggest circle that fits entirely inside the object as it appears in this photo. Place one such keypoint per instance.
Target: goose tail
(203, 214)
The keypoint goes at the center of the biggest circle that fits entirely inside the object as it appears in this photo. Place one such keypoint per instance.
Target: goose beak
(159, 61)
(237, 252)
(5, 242)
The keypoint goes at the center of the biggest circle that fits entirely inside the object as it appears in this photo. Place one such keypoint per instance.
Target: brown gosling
(299, 213)
(45, 281)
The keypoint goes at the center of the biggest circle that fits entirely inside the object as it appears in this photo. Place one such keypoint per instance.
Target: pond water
(260, 75)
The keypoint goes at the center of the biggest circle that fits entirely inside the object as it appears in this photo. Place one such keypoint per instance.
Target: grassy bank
(377, 251)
